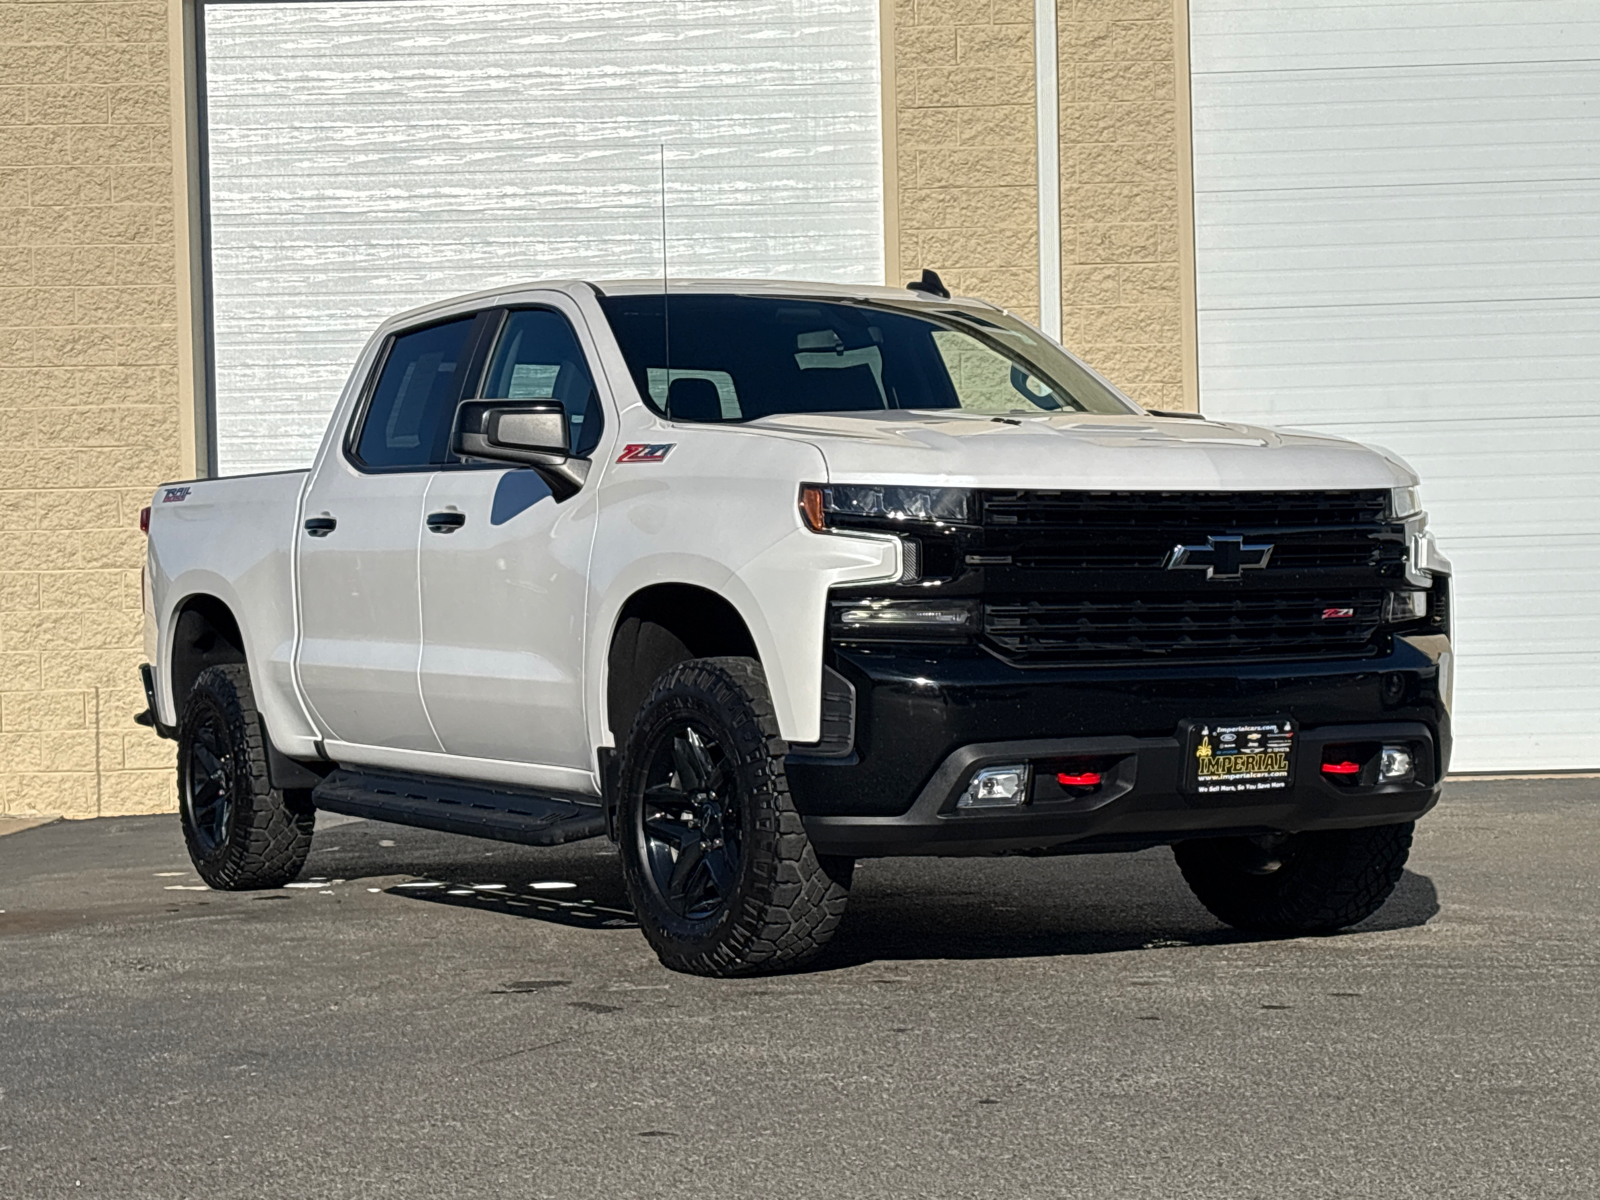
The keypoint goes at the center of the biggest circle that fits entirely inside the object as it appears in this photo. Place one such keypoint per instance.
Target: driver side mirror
(528, 433)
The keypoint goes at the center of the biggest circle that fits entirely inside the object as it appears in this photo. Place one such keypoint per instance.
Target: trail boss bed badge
(1226, 758)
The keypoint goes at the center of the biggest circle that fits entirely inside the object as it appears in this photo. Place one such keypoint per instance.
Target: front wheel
(717, 863)
(1298, 883)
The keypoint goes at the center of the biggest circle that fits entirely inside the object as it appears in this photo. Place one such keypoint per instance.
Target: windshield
(737, 358)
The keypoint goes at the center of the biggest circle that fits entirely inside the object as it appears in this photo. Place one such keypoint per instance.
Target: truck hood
(1079, 451)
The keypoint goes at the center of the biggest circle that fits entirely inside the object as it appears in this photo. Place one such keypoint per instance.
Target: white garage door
(1397, 213)
(372, 155)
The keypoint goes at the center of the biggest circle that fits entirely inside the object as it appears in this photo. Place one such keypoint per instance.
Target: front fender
(781, 593)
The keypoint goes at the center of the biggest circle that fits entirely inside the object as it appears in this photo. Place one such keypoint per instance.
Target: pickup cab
(758, 579)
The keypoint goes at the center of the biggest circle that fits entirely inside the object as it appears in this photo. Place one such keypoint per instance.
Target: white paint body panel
(360, 623)
(232, 539)
(516, 619)
(1397, 207)
(504, 602)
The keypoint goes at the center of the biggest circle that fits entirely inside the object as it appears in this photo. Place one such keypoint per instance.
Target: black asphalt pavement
(1068, 1027)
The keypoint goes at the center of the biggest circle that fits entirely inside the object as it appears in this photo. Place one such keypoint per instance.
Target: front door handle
(320, 526)
(446, 522)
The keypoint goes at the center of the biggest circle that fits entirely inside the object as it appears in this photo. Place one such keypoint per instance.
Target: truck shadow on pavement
(912, 908)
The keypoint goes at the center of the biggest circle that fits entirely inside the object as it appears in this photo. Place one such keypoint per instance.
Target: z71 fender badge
(637, 452)
(174, 495)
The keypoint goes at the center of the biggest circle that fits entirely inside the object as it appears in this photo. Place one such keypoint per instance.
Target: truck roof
(508, 293)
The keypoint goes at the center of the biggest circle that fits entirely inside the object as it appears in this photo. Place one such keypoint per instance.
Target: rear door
(361, 632)
(504, 572)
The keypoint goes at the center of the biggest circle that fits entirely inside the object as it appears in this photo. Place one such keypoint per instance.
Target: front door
(504, 573)
(361, 631)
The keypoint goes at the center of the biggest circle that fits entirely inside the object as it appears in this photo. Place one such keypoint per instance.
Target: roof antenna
(666, 319)
(930, 283)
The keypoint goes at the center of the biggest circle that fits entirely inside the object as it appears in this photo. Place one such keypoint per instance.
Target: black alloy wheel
(691, 822)
(208, 783)
(716, 859)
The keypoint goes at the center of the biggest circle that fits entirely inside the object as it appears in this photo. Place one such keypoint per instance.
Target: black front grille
(1182, 628)
(1078, 531)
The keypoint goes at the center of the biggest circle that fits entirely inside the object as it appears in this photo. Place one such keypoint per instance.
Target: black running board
(460, 806)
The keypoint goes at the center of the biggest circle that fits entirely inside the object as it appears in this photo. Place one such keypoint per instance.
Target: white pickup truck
(761, 578)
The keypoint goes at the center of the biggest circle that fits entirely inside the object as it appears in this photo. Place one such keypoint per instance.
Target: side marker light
(811, 509)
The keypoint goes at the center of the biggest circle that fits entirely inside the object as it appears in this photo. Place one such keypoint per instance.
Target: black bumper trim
(1141, 805)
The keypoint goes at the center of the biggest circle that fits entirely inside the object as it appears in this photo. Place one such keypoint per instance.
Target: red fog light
(1341, 768)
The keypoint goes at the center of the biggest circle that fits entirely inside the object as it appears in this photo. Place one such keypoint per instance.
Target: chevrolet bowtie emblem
(1219, 558)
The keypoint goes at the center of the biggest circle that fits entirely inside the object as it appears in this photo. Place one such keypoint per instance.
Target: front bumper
(926, 722)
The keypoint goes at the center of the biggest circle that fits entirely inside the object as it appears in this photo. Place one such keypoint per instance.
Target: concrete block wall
(1122, 187)
(88, 396)
(965, 147)
(966, 161)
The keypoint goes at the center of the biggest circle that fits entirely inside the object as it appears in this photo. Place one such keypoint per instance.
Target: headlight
(904, 620)
(868, 505)
(1404, 502)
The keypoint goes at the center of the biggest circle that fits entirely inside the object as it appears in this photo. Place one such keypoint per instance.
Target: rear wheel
(1299, 883)
(241, 832)
(717, 862)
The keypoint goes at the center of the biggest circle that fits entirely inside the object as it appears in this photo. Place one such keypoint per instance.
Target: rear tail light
(144, 519)
(1341, 768)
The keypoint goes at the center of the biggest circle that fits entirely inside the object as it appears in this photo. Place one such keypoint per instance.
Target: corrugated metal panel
(369, 156)
(1397, 215)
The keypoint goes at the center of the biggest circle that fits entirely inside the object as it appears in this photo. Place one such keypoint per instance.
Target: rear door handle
(320, 526)
(446, 522)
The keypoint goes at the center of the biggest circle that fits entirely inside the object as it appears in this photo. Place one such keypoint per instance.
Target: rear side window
(538, 358)
(413, 404)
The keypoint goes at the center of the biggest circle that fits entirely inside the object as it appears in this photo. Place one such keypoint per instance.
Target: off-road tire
(262, 838)
(788, 900)
(1326, 881)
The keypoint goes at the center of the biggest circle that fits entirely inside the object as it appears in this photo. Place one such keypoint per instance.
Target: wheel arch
(205, 633)
(659, 626)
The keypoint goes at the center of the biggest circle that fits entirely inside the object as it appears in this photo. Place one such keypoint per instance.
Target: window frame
(491, 346)
(473, 363)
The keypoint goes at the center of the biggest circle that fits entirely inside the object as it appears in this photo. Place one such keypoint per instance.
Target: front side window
(739, 358)
(408, 421)
(538, 358)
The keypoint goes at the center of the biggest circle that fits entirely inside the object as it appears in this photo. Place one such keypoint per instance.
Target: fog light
(1402, 607)
(1395, 765)
(997, 787)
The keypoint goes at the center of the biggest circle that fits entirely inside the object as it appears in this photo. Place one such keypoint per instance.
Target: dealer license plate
(1234, 757)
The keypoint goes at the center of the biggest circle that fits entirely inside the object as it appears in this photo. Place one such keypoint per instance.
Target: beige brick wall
(962, 103)
(88, 396)
(1123, 185)
(964, 146)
